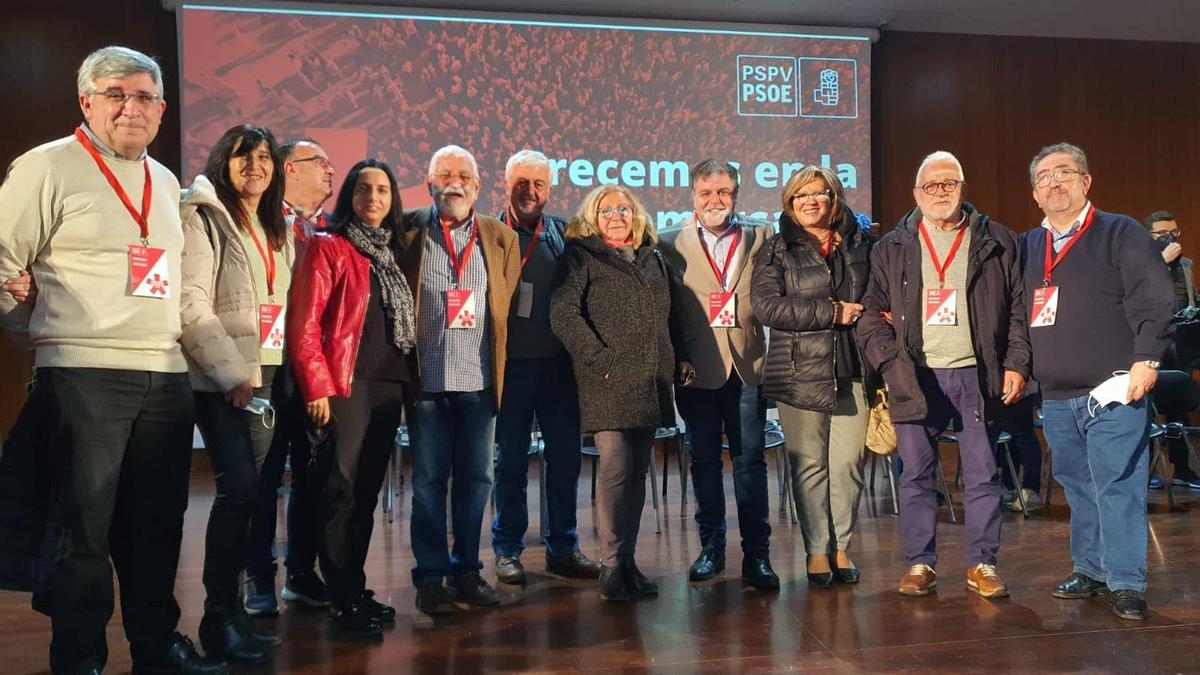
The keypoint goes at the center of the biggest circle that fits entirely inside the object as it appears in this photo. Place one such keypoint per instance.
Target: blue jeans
(1103, 466)
(452, 435)
(737, 411)
(545, 387)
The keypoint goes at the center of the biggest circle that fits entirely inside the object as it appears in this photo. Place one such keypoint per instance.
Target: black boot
(639, 585)
(612, 585)
(757, 572)
(226, 634)
(709, 564)
(356, 620)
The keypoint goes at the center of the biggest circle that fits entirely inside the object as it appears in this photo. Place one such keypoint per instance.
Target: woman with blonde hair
(609, 308)
(808, 282)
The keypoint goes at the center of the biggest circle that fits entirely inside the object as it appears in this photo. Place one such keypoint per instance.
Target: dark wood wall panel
(995, 101)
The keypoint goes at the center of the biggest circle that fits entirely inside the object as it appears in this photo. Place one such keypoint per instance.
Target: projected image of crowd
(573, 92)
(296, 327)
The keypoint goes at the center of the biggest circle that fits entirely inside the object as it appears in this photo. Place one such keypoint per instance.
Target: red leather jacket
(326, 308)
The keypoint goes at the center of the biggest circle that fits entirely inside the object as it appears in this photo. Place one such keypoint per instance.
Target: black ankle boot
(612, 585)
(225, 634)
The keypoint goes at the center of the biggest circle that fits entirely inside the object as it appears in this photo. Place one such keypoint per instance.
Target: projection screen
(608, 101)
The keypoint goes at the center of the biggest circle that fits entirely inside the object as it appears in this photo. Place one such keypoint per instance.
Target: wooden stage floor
(556, 625)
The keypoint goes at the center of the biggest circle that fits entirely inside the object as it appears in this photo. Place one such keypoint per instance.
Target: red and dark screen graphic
(607, 104)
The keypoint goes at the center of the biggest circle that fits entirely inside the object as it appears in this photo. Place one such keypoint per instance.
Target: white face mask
(1113, 390)
(263, 408)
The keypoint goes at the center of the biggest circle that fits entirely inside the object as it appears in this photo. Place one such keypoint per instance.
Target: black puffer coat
(612, 316)
(792, 294)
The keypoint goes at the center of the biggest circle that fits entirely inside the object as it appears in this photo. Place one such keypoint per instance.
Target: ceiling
(1147, 20)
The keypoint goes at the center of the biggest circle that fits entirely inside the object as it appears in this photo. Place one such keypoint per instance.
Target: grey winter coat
(218, 301)
(612, 317)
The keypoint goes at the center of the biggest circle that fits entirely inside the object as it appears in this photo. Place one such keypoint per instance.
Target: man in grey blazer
(719, 351)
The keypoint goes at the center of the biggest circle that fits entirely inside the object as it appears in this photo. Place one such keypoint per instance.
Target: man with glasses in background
(307, 184)
(463, 268)
(96, 222)
(1100, 323)
(944, 322)
(1164, 230)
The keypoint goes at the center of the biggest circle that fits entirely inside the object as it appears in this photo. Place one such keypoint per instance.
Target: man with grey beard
(464, 267)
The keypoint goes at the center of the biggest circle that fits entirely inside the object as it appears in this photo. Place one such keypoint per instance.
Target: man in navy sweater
(1100, 303)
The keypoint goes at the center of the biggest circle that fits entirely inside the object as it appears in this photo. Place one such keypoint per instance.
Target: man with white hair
(944, 322)
(464, 267)
(538, 381)
(96, 221)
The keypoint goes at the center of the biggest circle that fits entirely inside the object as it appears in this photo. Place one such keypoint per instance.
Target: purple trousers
(951, 393)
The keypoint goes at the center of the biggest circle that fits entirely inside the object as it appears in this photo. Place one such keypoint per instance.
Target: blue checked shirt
(452, 359)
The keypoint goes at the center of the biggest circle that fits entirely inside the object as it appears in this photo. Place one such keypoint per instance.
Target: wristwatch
(1151, 364)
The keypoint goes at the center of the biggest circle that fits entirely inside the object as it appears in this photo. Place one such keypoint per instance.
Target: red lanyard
(1052, 260)
(724, 269)
(459, 264)
(143, 218)
(933, 258)
(827, 247)
(537, 233)
(268, 260)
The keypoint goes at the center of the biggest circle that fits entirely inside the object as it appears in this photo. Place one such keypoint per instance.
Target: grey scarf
(373, 242)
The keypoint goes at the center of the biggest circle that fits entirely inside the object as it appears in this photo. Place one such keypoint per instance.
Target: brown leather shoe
(919, 580)
(983, 579)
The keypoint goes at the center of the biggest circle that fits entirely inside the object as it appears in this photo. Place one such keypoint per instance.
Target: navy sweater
(1114, 305)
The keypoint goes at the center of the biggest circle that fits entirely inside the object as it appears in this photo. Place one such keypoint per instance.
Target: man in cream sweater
(96, 221)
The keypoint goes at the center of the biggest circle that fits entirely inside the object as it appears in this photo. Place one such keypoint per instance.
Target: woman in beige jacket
(237, 258)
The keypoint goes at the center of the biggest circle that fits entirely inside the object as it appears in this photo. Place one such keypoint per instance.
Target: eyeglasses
(610, 212)
(117, 97)
(1058, 176)
(819, 197)
(446, 177)
(947, 185)
(1166, 234)
(322, 163)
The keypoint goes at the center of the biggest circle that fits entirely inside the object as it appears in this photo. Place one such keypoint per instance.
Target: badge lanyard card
(460, 302)
(722, 305)
(1045, 299)
(271, 316)
(525, 293)
(149, 273)
(941, 303)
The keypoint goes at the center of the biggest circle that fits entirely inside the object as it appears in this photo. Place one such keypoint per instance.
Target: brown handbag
(881, 433)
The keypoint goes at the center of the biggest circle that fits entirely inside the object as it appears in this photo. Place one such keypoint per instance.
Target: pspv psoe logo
(827, 87)
(766, 86)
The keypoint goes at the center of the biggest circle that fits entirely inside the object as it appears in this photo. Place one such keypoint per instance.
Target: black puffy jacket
(613, 318)
(792, 294)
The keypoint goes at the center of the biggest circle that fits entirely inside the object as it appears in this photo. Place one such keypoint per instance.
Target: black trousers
(120, 455)
(362, 433)
(304, 520)
(237, 442)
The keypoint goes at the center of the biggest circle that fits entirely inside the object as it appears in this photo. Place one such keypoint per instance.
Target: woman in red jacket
(350, 335)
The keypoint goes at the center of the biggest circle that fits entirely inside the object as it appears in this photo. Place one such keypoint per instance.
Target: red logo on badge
(467, 319)
(158, 285)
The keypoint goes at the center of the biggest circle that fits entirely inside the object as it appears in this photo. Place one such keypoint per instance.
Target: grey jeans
(621, 490)
(825, 450)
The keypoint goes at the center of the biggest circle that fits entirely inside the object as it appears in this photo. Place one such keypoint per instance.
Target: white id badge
(941, 307)
(460, 308)
(525, 300)
(149, 276)
(1045, 307)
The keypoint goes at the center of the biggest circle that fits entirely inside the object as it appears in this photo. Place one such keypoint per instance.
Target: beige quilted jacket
(219, 305)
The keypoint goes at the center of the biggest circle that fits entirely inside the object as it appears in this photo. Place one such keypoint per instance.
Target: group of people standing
(285, 332)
